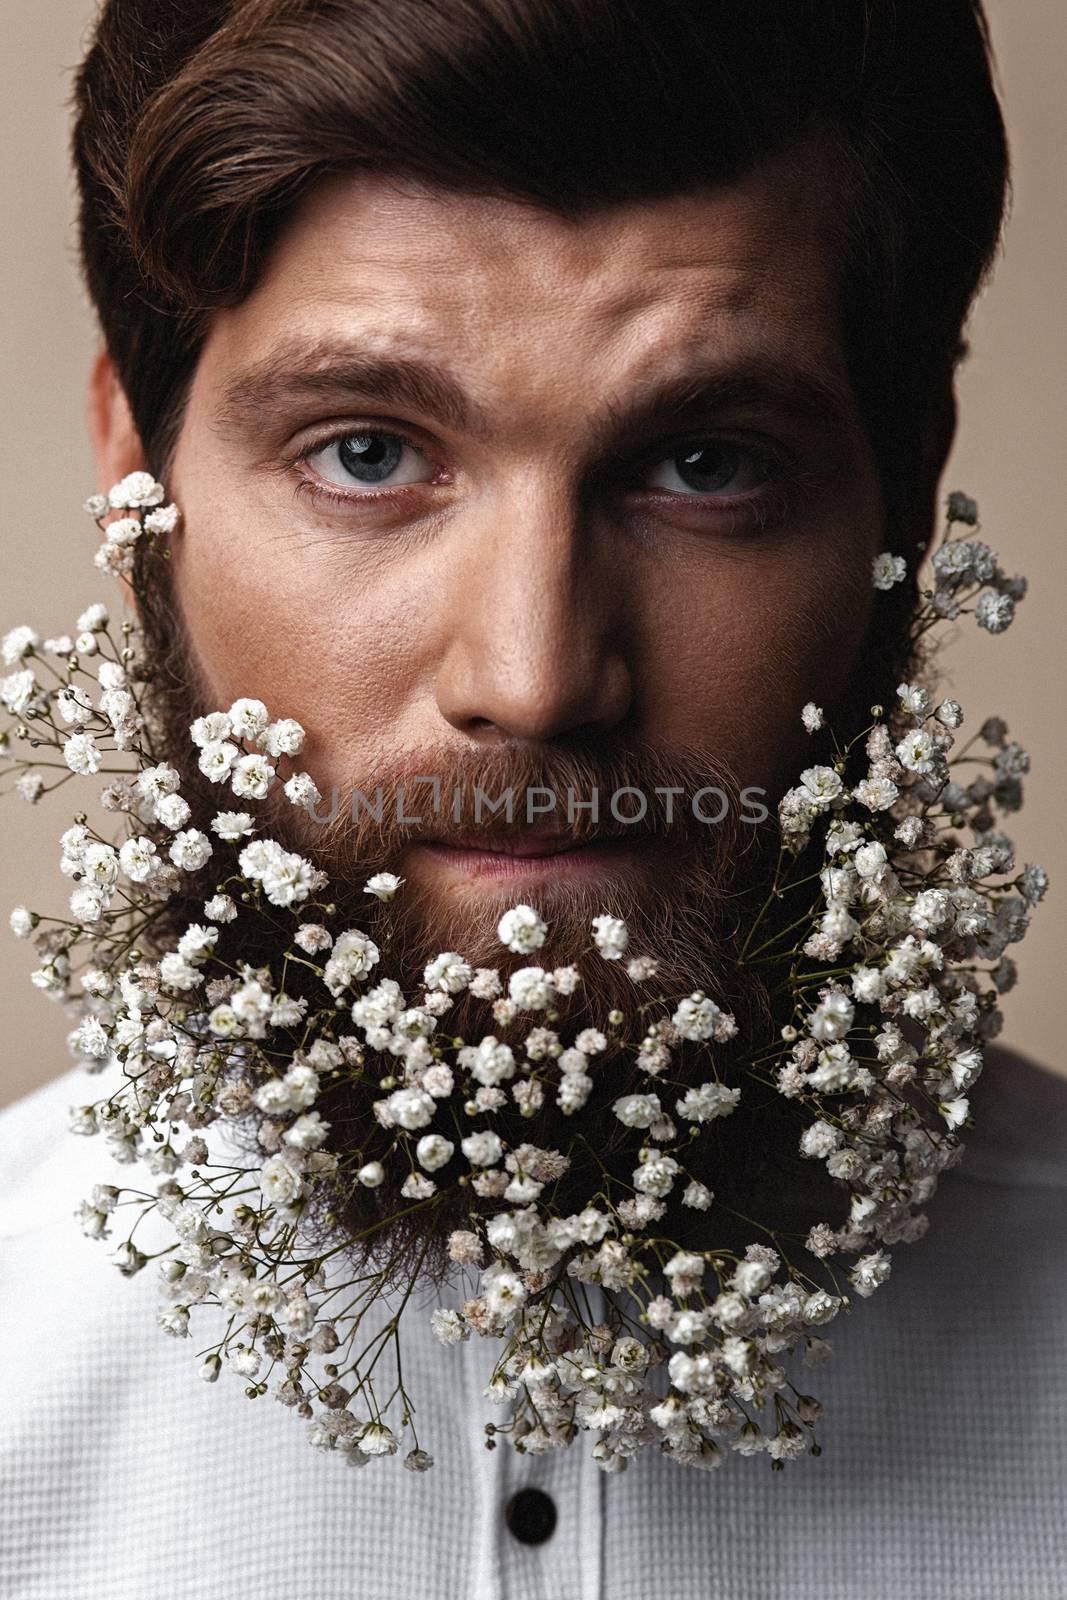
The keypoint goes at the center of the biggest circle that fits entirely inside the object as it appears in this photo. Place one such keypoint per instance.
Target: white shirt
(943, 1474)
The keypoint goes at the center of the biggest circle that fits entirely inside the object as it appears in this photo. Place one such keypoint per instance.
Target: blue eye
(710, 467)
(370, 458)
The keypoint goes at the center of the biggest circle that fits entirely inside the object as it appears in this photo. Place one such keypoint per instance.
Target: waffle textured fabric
(943, 1474)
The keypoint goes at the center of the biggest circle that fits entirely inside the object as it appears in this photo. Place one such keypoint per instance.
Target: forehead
(523, 299)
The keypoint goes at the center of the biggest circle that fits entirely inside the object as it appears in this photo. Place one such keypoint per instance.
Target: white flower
(877, 794)
(248, 718)
(438, 1081)
(531, 988)
(709, 1101)
(371, 1174)
(300, 790)
(870, 859)
(914, 699)
(251, 776)
(164, 519)
(94, 619)
(155, 782)
(573, 1092)
(286, 878)
(307, 1132)
(302, 1083)
(87, 904)
(217, 758)
(411, 1108)
(869, 1272)
(138, 859)
(283, 738)
(955, 1110)
(176, 972)
(172, 811)
(637, 1110)
(448, 1326)
(190, 850)
(610, 936)
(994, 612)
(197, 942)
(22, 922)
(656, 1176)
(244, 1361)
(74, 706)
(17, 643)
(698, 1196)
(378, 1440)
(868, 985)
(82, 754)
(521, 929)
(447, 972)
(18, 691)
(352, 958)
(888, 569)
(832, 1017)
(433, 1151)
(821, 785)
(697, 1017)
(100, 864)
(90, 1039)
(482, 1149)
(124, 530)
(504, 1292)
(135, 490)
(383, 885)
(811, 716)
(280, 1181)
(213, 729)
(220, 908)
(917, 751)
(175, 1321)
(489, 1061)
(232, 825)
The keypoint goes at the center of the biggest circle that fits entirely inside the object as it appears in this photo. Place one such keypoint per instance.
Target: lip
(531, 842)
(531, 856)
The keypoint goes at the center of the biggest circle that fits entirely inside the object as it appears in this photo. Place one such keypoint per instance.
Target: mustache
(608, 789)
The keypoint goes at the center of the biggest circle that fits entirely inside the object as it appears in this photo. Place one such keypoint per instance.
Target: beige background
(1009, 455)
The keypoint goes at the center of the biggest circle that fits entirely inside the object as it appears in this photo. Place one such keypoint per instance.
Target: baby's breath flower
(610, 936)
(893, 979)
(383, 885)
(521, 930)
(888, 569)
(961, 508)
(135, 490)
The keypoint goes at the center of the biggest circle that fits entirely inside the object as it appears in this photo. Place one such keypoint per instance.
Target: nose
(536, 647)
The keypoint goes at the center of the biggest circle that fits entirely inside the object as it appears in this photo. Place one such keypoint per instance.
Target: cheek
(310, 631)
(755, 640)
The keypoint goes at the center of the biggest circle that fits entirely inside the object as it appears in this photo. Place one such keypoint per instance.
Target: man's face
(460, 476)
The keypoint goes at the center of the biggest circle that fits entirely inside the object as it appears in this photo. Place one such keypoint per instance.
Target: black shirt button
(531, 1516)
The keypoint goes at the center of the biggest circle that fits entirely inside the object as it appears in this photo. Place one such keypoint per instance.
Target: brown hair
(201, 122)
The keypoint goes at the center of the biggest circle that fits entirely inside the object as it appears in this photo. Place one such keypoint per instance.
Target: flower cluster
(893, 985)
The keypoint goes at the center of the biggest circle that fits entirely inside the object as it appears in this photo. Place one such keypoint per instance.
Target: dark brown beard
(693, 922)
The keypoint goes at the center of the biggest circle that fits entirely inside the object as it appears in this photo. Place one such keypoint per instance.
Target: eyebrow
(332, 373)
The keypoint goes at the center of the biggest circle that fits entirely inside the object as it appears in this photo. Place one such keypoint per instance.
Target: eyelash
(762, 505)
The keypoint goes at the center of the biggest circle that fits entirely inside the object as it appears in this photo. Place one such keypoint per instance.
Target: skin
(550, 578)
